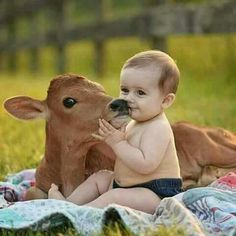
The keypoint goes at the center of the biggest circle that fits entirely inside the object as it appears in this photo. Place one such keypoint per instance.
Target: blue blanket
(202, 211)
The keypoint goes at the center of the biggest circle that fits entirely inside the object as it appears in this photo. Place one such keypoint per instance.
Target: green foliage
(116, 230)
(57, 231)
(206, 94)
(193, 1)
(18, 137)
(167, 231)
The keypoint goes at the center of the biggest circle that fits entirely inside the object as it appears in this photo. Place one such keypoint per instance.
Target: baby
(146, 165)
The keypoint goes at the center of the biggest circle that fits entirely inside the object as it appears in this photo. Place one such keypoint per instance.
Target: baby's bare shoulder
(160, 130)
(159, 125)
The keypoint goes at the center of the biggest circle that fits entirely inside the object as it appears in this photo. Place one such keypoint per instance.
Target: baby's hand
(109, 134)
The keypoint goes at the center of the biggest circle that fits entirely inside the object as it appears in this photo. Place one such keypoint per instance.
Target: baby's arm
(145, 158)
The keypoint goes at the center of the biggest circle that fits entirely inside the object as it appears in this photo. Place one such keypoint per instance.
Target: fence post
(99, 42)
(11, 35)
(1, 56)
(59, 11)
(34, 56)
(157, 42)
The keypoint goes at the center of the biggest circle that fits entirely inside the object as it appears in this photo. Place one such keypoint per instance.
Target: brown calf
(204, 153)
(71, 111)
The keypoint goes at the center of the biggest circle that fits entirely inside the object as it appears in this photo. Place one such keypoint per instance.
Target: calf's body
(71, 111)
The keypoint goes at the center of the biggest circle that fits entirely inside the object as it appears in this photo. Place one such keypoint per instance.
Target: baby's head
(159, 63)
(150, 79)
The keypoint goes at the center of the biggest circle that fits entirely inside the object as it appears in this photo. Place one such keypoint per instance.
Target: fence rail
(154, 23)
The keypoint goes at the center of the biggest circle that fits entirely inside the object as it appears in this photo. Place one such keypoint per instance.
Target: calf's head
(73, 106)
(71, 109)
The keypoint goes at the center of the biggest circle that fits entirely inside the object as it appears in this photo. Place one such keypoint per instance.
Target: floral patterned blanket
(202, 211)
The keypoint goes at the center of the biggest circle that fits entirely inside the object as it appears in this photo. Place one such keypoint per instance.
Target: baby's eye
(124, 90)
(141, 92)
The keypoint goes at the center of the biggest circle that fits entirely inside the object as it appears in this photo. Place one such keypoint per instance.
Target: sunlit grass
(206, 94)
(115, 230)
(204, 57)
(21, 142)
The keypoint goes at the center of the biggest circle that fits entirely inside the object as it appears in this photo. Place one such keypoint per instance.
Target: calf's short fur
(72, 154)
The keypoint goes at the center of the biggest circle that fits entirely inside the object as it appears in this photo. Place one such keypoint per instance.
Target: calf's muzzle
(120, 106)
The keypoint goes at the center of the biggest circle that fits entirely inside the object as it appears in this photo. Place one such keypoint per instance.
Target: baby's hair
(169, 78)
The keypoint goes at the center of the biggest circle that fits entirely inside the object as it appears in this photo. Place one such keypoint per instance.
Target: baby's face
(139, 87)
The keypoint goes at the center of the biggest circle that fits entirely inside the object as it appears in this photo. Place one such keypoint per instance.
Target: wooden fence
(155, 23)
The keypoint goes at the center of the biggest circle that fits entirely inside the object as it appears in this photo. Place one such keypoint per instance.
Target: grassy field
(206, 95)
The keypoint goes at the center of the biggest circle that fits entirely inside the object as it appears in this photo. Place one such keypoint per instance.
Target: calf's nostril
(114, 106)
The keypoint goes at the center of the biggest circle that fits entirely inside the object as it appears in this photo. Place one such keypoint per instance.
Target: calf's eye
(69, 102)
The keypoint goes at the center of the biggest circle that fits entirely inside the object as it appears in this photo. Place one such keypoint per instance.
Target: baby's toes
(54, 187)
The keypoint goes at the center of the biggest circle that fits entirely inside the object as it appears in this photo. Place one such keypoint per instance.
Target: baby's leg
(35, 193)
(92, 187)
(137, 198)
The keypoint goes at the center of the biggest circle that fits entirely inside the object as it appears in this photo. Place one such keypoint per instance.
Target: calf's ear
(25, 108)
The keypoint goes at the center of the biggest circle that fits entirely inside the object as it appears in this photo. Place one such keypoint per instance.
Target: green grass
(115, 230)
(57, 231)
(206, 95)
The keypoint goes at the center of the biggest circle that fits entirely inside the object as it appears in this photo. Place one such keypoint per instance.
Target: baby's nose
(128, 97)
(119, 105)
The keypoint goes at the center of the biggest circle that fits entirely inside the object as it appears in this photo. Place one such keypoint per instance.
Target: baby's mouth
(132, 109)
(129, 110)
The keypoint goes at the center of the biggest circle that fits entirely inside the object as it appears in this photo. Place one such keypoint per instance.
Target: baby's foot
(54, 193)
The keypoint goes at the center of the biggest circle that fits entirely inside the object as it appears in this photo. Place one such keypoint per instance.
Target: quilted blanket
(202, 211)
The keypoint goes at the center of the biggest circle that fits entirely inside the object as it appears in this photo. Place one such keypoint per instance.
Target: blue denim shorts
(167, 187)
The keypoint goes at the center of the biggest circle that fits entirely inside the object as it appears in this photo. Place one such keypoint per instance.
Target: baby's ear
(168, 100)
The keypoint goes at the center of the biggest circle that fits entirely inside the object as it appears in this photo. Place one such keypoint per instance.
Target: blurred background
(40, 39)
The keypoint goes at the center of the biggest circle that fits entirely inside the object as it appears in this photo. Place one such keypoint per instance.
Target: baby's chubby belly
(124, 176)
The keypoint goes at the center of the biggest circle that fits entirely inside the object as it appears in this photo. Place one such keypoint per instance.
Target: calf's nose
(119, 105)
